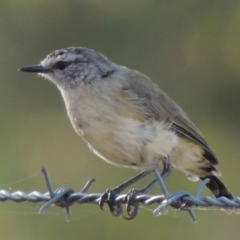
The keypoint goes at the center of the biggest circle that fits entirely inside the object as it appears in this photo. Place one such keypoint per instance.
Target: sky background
(190, 48)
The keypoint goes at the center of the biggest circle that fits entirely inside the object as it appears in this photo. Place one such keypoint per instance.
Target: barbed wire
(65, 197)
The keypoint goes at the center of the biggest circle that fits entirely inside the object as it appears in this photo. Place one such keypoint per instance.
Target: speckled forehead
(62, 55)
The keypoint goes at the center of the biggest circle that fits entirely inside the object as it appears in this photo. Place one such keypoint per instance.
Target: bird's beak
(34, 69)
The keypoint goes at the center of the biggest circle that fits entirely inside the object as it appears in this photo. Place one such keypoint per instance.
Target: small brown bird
(125, 118)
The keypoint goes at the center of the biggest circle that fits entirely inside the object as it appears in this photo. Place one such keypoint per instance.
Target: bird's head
(73, 66)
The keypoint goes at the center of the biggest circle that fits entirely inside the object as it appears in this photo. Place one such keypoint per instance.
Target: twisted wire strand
(65, 197)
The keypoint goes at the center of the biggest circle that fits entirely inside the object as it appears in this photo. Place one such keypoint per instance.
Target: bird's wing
(159, 106)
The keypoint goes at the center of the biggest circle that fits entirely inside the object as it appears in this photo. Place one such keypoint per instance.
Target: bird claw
(109, 197)
(131, 205)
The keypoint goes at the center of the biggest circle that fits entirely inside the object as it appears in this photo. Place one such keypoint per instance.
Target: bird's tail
(217, 187)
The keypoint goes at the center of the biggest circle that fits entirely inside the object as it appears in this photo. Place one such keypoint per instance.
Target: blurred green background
(190, 48)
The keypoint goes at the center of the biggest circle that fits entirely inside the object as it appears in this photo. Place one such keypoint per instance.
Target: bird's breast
(116, 130)
(106, 124)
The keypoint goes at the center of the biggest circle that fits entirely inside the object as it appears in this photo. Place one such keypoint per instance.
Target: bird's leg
(167, 167)
(132, 206)
(110, 195)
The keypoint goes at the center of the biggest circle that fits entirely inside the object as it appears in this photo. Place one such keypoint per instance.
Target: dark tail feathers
(217, 187)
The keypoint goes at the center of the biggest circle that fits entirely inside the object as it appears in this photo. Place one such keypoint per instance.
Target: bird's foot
(109, 197)
(131, 204)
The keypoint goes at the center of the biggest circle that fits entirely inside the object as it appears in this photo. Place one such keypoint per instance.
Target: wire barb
(65, 197)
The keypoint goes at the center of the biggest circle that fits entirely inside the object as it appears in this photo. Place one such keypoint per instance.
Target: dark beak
(35, 69)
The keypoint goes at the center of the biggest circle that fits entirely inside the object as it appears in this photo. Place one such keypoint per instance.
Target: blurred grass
(190, 48)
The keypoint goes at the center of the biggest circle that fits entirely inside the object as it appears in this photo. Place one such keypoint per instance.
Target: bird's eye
(61, 65)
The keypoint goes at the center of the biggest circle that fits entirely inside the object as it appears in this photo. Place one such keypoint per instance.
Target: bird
(126, 119)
